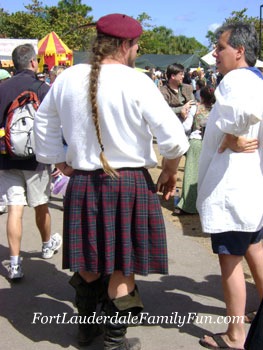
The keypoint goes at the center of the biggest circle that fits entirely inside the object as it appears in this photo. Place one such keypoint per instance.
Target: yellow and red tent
(52, 51)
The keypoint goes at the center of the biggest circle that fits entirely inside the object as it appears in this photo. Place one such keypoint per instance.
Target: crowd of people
(113, 227)
(191, 97)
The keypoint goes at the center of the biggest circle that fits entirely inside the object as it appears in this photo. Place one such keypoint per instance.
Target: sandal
(221, 344)
(249, 317)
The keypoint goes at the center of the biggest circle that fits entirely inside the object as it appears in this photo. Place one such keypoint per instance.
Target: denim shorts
(234, 242)
(26, 187)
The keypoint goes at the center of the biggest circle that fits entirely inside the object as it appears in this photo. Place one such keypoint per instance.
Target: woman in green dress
(187, 203)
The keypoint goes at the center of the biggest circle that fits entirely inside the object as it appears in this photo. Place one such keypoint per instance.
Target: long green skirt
(189, 189)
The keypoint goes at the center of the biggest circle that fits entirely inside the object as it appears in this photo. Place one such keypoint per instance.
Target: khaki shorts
(26, 187)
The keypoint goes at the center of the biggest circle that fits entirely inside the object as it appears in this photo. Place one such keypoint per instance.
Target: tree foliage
(236, 16)
(161, 40)
(38, 20)
(69, 19)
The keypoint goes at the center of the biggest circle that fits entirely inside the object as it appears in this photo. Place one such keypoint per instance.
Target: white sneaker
(3, 209)
(15, 271)
(56, 241)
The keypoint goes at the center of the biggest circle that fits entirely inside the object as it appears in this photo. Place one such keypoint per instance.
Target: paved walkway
(192, 287)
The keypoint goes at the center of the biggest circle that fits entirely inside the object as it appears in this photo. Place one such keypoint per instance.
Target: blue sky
(191, 18)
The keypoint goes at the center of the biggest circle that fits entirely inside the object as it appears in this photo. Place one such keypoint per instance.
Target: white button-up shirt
(230, 185)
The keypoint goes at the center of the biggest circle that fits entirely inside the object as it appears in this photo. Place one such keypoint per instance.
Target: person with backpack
(25, 181)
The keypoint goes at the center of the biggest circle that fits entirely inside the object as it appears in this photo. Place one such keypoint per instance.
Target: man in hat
(113, 224)
(26, 182)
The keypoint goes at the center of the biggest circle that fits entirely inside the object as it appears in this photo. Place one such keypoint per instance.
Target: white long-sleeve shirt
(230, 185)
(131, 110)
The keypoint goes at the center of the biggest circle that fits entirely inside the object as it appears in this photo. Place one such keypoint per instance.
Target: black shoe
(87, 333)
(179, 212)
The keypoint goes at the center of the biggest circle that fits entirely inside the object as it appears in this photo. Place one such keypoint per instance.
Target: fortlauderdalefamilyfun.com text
(143, 318)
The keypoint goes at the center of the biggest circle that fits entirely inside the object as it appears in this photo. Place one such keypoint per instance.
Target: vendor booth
(52, 51)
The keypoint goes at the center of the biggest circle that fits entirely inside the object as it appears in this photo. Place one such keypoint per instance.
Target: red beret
(119, 26)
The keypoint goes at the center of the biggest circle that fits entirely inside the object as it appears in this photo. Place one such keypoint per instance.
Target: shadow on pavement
(43, 290)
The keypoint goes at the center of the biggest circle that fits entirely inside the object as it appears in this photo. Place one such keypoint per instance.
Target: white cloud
(214, 26)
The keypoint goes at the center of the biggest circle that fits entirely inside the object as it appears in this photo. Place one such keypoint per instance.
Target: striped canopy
(51, 44)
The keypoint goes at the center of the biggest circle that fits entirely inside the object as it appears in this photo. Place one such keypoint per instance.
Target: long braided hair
(103, 46)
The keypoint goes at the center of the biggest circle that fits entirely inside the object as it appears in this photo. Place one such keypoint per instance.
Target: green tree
(22, 25)
(3, 23)
(161, 40)
(145, 20)
(185, 45)
(236, 16)
(211, 38)
(67, 20)
(35, 8)
(70, 26)
(71, 20)
(74, 7)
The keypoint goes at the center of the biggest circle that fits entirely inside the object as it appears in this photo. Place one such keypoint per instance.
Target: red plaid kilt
(114, 224)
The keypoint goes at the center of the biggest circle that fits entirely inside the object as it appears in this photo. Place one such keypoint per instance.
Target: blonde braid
(100, 51)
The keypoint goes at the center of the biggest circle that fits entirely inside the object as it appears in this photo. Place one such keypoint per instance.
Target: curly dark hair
(208, 95)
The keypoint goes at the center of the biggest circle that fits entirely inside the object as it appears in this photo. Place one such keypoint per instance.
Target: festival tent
(154, 60)
(162, 61)
(81, 56)
(7, 46)
(52, 51)
(209, 59)
(259, 64)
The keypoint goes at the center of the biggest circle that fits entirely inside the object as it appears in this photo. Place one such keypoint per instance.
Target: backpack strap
(36, 86)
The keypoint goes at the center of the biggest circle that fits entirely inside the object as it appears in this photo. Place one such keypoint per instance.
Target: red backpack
(19, 135)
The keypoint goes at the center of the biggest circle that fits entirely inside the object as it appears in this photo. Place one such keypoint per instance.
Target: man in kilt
(113, 223)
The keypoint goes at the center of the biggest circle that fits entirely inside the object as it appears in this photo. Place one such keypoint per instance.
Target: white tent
(259, 64)
(8, 45)
(209, 59)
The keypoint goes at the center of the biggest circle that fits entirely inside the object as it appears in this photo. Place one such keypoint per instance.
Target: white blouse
(230, 185)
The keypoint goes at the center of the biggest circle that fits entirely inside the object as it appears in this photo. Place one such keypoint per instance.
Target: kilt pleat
(114, 224)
